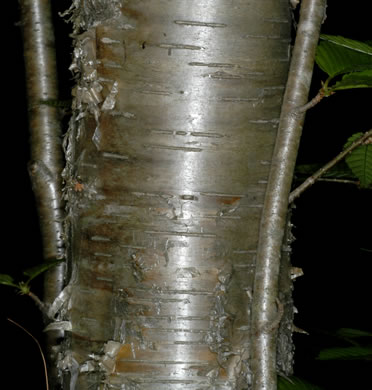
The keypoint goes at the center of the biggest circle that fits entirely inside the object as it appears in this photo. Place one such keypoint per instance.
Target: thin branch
(39, 303)
(273, 220)
(322, 93)
(313, 178)
(40, 349)
(312, 103)
(341, 181)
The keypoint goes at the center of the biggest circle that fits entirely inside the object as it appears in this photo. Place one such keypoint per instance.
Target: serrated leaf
(360, 161)
(348, 353)
(39, 269)
(338, 55)
(352, 333)
(352, 139)
(295, 383)
(362, 47)
(7, 280)
(354, 80)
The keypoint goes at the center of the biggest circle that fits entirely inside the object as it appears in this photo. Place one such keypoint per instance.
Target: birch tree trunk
(168, 152)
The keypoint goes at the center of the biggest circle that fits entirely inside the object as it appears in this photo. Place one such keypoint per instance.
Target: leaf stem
(313, 178)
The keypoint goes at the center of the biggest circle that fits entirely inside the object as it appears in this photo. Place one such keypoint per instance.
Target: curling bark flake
(168, 155)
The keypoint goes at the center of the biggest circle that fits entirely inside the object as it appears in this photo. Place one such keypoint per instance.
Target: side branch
(314, 177)
(41, 305)
(273, 220)
(312, 103)
(46, 149)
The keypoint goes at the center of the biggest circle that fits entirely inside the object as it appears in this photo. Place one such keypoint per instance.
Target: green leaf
(348, 353)
(338, 55)
(24, 288)
(295, 383)
(360, 161)
(354, 80)
(362, 47)
(352, 333)
(39, 269)
(7, 280)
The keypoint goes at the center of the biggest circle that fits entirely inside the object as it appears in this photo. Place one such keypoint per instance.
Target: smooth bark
(266, 301)
(168, 155)
(46, 162)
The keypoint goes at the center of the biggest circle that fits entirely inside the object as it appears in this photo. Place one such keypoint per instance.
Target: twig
(322, 93)
(313, 102)
(40, 304)
(313, 178)
(38, 344)
(342, 181)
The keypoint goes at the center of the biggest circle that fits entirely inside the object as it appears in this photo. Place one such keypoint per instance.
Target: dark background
(332, 221)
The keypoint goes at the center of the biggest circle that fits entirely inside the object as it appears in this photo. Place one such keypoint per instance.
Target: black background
(332, 221)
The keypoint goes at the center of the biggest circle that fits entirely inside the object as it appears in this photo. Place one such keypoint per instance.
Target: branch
(312, 103)
(39, 303)
(322, 93)
(46, 150)
(313, 178)
(273, 220)
(341, 181)
(47, 159)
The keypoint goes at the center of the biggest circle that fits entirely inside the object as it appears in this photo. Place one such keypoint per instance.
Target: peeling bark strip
(278, 188)
(171, 172)
(46, 150)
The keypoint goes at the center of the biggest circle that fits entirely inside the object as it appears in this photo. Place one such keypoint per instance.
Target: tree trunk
(168, 153)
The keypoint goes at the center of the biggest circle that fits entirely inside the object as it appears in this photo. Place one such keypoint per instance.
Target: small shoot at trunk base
(40, 349)
(23, 287)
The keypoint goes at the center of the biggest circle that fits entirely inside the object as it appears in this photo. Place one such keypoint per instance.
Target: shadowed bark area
(168, 155)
